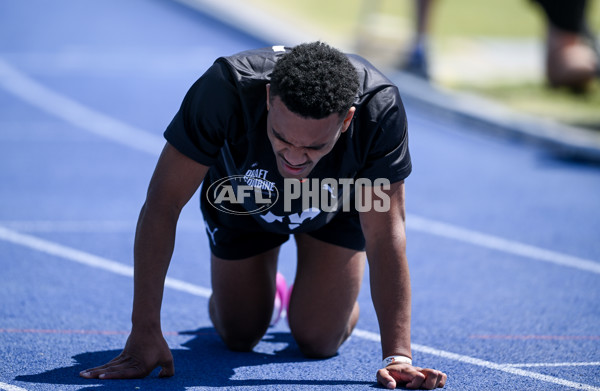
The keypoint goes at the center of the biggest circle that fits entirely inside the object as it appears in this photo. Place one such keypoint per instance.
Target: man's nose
(295, 156)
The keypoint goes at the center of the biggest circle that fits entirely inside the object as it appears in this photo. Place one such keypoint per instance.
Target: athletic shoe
(280, 305)
(417, 63)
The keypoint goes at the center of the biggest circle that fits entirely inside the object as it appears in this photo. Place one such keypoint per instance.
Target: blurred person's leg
(571, 60)
(417, 61)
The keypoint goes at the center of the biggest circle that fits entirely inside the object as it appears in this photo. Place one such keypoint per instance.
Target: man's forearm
(154, 243)
(391, 292)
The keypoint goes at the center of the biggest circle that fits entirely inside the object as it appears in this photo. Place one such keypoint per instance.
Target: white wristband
(396, 360)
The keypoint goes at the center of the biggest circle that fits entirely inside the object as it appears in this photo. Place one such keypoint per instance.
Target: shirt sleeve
(387, 154)
(206, 116)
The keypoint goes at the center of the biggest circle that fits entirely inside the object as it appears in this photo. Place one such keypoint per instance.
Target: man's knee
(322, 339)
(241, 341)
(314, 343)
(240, 335)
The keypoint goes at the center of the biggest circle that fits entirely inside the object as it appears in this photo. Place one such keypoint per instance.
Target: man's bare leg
(242, 300)
(323, 309)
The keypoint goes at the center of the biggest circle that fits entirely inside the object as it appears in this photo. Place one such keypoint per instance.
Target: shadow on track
(205, 363)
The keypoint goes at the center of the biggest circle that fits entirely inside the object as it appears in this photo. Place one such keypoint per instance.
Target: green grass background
(462, 19)
(499, 18)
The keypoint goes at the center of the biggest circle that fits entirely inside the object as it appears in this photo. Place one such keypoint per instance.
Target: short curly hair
(315, 80)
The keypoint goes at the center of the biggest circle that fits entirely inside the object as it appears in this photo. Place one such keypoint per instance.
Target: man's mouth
(293, 169)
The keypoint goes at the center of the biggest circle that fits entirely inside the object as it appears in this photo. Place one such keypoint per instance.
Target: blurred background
(493, 48)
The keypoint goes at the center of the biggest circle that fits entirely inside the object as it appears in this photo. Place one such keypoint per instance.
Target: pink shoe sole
(281, 299)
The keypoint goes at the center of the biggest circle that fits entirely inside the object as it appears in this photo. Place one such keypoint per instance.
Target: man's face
(299, 143)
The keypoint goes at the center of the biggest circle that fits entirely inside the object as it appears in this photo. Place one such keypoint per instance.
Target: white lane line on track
(34, 93)
(90, 226)
(26, 88)
(87, 259)
(414, 222)
(10, 387)
(494, 242)
(555, 364)
(482, 363)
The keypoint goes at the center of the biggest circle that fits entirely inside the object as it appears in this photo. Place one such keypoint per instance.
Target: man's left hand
(411, 377)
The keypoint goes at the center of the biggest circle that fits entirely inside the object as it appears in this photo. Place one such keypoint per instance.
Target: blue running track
(504, 238)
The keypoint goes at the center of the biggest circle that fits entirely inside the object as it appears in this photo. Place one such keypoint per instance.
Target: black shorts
(236, 237)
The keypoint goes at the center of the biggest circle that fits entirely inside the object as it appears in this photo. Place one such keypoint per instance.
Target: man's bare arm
(175, 180)
(388, 269)
(390, 288)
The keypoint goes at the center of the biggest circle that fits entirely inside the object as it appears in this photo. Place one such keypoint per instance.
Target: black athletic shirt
(222, 124)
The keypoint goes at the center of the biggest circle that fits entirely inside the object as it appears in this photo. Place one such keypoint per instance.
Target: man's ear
(268, 95)
(348, 119)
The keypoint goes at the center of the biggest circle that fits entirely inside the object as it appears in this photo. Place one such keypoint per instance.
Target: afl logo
(228, 192)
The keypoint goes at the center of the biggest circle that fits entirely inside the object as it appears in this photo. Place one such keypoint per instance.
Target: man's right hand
(142, 353)
(175, 180)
